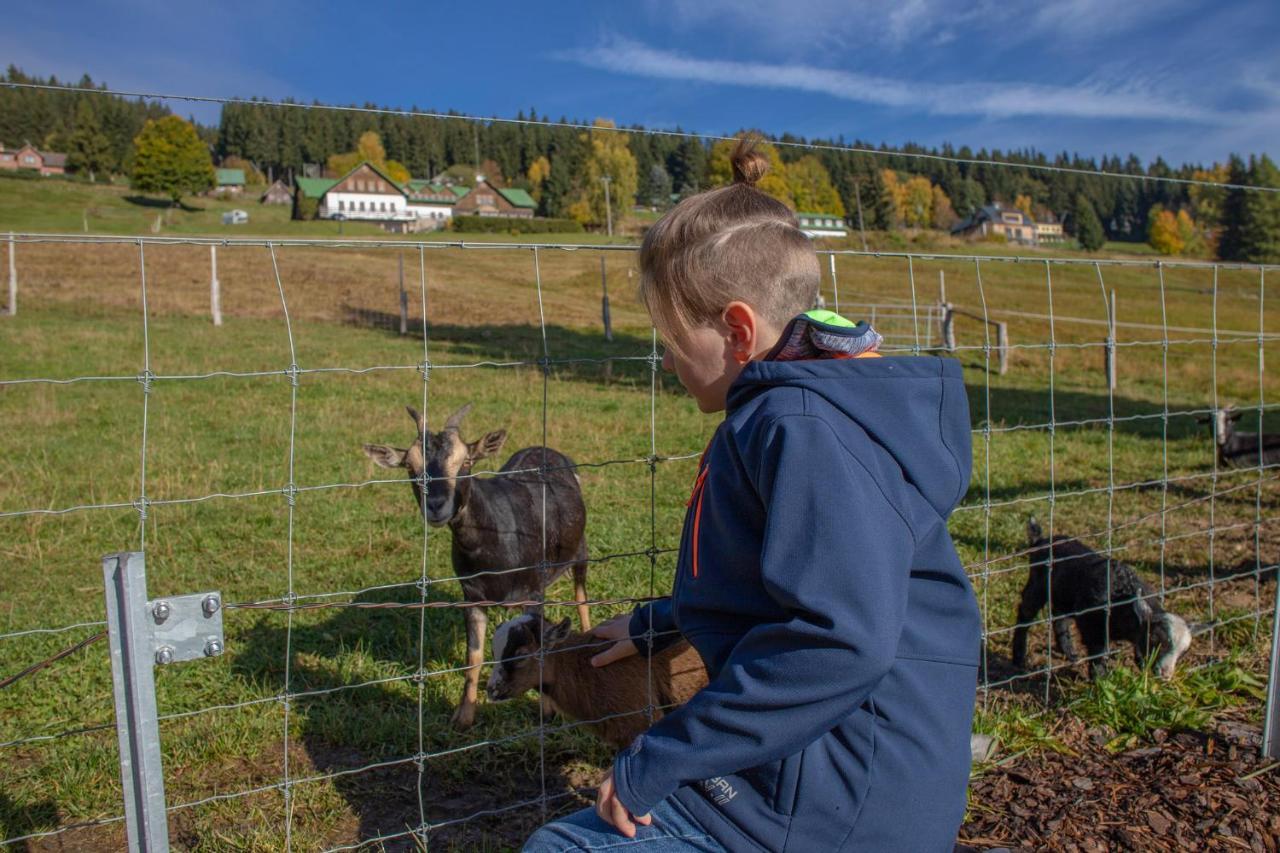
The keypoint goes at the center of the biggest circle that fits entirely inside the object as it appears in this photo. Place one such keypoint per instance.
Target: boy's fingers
(619, 650)
(644, 819)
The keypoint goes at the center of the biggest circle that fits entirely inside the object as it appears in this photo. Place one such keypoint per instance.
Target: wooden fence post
(215, 288)
(404, 301)
(604, 302)
(13, 277)
(948, 328)
(1002, 345)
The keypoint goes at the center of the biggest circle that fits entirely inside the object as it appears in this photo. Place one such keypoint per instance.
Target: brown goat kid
(614, 698)
(504, 547)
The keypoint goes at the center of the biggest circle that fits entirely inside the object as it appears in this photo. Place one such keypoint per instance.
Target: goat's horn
(455, 420)
(418, 419)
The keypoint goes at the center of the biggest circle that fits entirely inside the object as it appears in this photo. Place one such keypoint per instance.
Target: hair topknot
(749, 165)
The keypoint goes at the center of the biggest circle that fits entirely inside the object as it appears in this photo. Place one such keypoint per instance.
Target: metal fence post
(143, 634)
(13, 278)
(1271, 724)
(404, 300)
(133, 678)
(1111, 343)
(604, 302)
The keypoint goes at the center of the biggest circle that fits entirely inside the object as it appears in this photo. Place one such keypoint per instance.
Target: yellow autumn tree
(610, 157)
(894, 193)
(1023, 203)
(917, 202)
(1162, 232)
(539, 171)
(811, 187)
(774, 183)
(944, 215)
(368, 150)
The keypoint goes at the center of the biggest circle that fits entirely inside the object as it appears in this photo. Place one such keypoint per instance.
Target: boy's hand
(619, 629)
(614, 813)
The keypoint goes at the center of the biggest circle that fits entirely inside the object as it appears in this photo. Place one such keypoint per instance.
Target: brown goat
(612, 699)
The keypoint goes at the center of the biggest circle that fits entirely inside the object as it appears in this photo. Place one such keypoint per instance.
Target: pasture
(364, 738)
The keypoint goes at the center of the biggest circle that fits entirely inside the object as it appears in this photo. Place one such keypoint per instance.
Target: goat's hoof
(464, 718)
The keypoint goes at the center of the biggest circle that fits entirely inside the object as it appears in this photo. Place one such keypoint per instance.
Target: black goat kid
(1079, 584)
(513, 533)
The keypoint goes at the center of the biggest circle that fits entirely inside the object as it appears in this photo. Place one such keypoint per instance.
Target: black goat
(504, 548)
(1242, 449)
(1079, 583)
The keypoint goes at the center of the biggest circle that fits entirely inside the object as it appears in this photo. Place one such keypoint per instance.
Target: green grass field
(351, 671)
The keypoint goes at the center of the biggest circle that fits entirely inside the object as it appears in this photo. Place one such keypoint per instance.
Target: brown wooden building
(484, 199)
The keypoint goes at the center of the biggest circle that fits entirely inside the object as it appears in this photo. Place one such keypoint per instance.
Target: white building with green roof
(822, 225)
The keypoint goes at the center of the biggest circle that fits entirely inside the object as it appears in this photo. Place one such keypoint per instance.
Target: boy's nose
(668, 363)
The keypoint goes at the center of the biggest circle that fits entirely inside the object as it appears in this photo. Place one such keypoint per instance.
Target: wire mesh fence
(231, 456)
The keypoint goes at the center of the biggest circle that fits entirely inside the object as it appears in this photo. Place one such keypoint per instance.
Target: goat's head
(442, 460)
(516, 644)
(1167, 637)
(1222, 419)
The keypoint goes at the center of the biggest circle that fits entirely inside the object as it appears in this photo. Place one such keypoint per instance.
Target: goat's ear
(384, 456)
(557, 633)
(1234, 414)
(489, 445)
(1142, 610)
(418, 420)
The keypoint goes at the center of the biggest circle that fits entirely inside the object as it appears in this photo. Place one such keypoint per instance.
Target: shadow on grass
(349, 723)
(19, 819)
(161, 203)
(581, 354)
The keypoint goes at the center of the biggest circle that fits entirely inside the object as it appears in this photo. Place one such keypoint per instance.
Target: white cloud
(992, 99)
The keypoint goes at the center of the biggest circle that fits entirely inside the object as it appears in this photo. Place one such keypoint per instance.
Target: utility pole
(608, 206)
(857, 195)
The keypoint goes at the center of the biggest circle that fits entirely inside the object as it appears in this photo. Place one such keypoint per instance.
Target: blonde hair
(734, 243)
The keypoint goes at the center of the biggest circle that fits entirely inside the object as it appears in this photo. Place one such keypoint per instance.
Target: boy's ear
(744, 327)
(384, 456)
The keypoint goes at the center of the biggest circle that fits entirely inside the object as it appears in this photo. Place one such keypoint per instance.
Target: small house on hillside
(1049, 230)
(1010, 223)
(229, 181)
(484, 199)
(822, 225)
(367, 194)
(29, 157)
(277, 193)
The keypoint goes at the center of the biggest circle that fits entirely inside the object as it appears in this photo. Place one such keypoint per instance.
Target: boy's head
(721, 274)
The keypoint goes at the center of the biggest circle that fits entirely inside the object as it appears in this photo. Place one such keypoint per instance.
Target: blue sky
(1191, 80)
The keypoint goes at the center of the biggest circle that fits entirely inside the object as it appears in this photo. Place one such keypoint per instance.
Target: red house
(28, 157)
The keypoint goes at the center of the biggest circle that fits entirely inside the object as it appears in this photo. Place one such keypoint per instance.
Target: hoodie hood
(914, 407)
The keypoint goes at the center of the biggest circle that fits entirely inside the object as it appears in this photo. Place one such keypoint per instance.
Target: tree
(1023, 203)
(170, 158)
(944, 215)
(368, 150)
(537, 175)
(1259, 238)
(1162, 231)
(1088, 227)
(811, 187)
(774, 182)
(656, 189)
(916, 207)
(610, 157)
(88, 149)
(968, 197)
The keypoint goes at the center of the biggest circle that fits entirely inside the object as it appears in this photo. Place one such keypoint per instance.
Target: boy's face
(705, 364)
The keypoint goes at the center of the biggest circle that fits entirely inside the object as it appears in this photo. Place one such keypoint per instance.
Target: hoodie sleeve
(835, 557)
(655, 615)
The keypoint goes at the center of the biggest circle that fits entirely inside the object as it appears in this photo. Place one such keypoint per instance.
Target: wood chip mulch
(1186, 791)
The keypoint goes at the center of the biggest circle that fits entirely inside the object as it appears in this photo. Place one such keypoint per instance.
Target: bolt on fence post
(133, 679)
(13, 278)
(215, 288)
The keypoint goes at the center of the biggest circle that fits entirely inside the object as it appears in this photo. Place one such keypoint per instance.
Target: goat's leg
(580, 588)
(465, 716)
(1034, 596)
(1065, 642)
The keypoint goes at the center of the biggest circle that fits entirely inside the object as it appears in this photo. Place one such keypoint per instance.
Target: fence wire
(1114, 497)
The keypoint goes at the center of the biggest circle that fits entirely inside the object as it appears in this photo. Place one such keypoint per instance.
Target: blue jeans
(672, 830)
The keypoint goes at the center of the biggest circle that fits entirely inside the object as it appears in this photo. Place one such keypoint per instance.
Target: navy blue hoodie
(818, 582)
